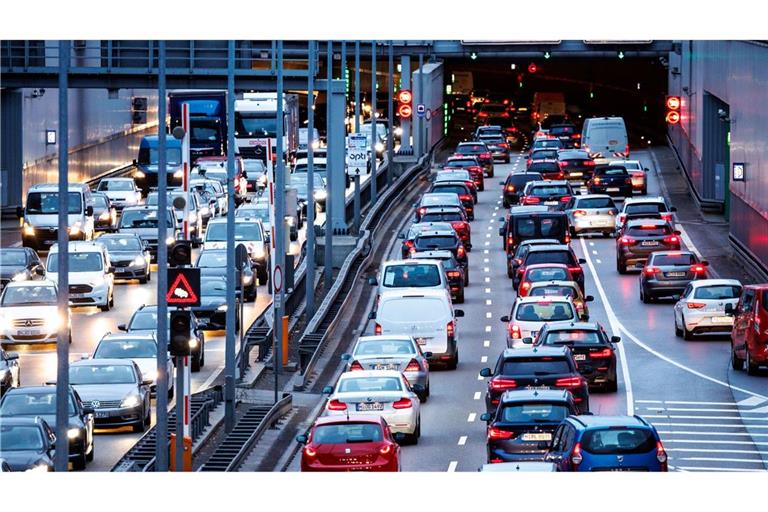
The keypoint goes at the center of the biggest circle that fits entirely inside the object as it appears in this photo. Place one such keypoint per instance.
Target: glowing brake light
(485, 155)
(666, 216)
(356, 366)
(579, 213)
(514, 332)
(336, 405)
(453, 274)
(384, 450)
(603, 354)
(377, 329)
(465, 197)
(661, 453)
(576, 457)
(596, 180)
(672, 239)
(563, 163)
(309, 451)
(531, 200)
(510, 188)
(413, 366)
(403, 403)
(568, 382)
(626, 240)
(461, 252)
(699, 269)
(565, 199)
(450, 329)
(649, 271)
(499, 384)
(696, 305)
(497, 433)
(524, 288)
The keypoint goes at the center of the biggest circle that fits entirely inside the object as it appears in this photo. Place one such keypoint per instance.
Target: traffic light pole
(278, 288)
(405, 83)
(180, 396)
(310, 258)
(229, 356)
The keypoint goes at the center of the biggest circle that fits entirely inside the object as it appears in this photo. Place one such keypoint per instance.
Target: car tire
(148, 419)
(143, 280)
(262, 275)
(105, 307)
(414, 438)
(612, 386)
(140, 426)
(481, 187)
(454, 362)
(643, 297)
(510, 271)
(644, 191)
(678, 331)
(170, 389)
(621, 268)
(90, 456)
(466, 277)
(506, 203)
(460, 297)
(112, 299)
(751, 368)
(196, 363)
(687, 335)
(79, 463)
(737, 363)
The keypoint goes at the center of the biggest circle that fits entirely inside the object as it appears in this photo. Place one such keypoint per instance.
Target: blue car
(607, 443)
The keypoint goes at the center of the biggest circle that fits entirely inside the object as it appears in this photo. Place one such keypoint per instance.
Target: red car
(468, 163)
(542, 272)
(351, 443)
(749, 335)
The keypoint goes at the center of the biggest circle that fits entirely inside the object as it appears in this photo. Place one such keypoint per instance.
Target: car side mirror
(88, 410)
(39, 270)
(589, 298)
(89, 211)
(20, 212)
(646, 169)
(418, 388)
(485, 372)
(428, 354)
(505, 318)
(501, 219)
(302, 439)
(582, 261)
(458, 313)
(346, 357)
(485, 417)
(122, 327)
(328, 390)
(371, 316)
(372, 281)
(146, 382)
(501, 231)
(11, 355)
(615, 339)
(501, 183)
(528, 340)
(677, 232)
(673, 208)
(730, 310)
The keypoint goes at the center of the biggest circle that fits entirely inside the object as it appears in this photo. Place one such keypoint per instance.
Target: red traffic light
(405, 96)
(404, 111)
(673, 117)
(673, 102)
(532, 67)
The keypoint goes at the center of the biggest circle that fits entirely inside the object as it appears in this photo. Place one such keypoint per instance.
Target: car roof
(54, 187)
(448, 208)
(371, 373)
(541, 241)
(568, 325)
(436, 232)
(349, 418)
(593, 196)
(30, 283)
(537, 351)
(81, 246)
(547, 183)
(31, 389)
(519, 210)
(102, 362)
(645, 221)
(550, 247)
(589, 421)
(646, 199)
(528, 395)
(18, 421)
(393, 337)
(698, 283)
(426, 255)
(532, 300)
(393, 263)
(128, 336)
(546, 265)
(449, 182)
(670, 253)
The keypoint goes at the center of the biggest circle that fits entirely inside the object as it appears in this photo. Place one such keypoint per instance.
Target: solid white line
(462, 440)
(712, 441)
(684, 402)
(706, 425)
(487, 328)
(751, 401)
(698, 409)
(484, 359)
(717, 459)
(452, 466)
(693, 468)
(687, 240)
(615, 329)
(471, 417)
(477, 395)
(730, 434)
(487, 343)
(695, 417)
(712, 450)
(649, 401)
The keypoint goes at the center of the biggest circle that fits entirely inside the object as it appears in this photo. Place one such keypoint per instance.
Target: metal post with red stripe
(185, 166)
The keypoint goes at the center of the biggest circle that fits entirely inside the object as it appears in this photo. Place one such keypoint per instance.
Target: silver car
(591, 213)
(141, 349)
(701, 308)
(393, 352)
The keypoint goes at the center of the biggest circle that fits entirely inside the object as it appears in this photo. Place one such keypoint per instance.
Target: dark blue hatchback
(607, 443)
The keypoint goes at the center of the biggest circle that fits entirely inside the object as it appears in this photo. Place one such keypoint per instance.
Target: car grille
(104, 404)
(46, 234)
(121, 264)
(29, 322)
(80, 288)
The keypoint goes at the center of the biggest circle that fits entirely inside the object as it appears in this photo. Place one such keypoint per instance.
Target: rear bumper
(658, 288)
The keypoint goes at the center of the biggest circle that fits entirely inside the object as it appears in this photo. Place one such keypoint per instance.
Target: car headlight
(223, 307)
(104, 215)
(320, 195)
(39, 468)
(178, 174)
(247, 279)
(193, 343)
(29, 230)
(52, 323)
(379, 147)
(75, 229)
(130, 401)
(73, 433)
(170, 240)
(21, 276)
(4, 323)
(138, 261)
(139, 174)
(291, 220)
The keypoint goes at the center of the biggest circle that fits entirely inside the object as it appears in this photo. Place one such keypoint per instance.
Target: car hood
(21, 460)
(14, 312)
(144, 233)
(80, 277)
(51, 220)
(211, 302)
(124, 255)
(90, 392)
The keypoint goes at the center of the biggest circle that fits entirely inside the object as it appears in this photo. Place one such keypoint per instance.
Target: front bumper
(131, 272)
(118, 417)
(99, 296)
(32, 336)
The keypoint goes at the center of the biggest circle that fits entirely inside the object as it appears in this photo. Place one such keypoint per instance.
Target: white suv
(422, 274)
(655, 207)
(91, 275)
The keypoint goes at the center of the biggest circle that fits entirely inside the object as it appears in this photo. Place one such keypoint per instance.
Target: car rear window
(347, 433)
(549, 227)
(649, 230)
(549, 190)
(611, 171)
(547, 167)
(465, 162)
(369, 384)
(435, 242)
(544, 311)
(562, 130)
(534, 413)
(544, 154)
(718, 292)
(596, 202)
(436, 199)
(471, 149)
(518, 180)
(572, 337)
(452, 189)
(453, 175)
(547, 274)
(618, 441)
(546, 291)
(444, 216)
(645, 208)
(673, 259)
(411, 275)
(535, 366)
(412, 309)
(384, 346)
(564, 257)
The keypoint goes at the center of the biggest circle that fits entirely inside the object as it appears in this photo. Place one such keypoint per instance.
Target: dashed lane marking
(598, 261)
(452, 466)
(594, 251)
(487, 244)
(480, 377)
(486, 269)
(487, 328)
(487, 290)
(487, 235)
(488, 302)
(486, 251)
(477, 395)
(488, 315)
(487, 279)
(484, 359)
(486, 260)
(462, 440)
(487, 343)
(471, 417)
(694, 468)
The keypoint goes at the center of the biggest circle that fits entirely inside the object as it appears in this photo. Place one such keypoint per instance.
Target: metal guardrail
(141, 456)
(234, 449)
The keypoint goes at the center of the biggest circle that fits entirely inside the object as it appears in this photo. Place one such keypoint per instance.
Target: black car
(613, 180)
(480, 151)
(9, 371)
(515, 259)
(548, 170)
(213, 304)
(576, 165)
(567, 133)
(593, 350)
(129, 255)
(408, 237)
(21, 264)
(432, 200)
(553, 194)
(515, 184)
(27, 444)
(667, 273)
(453, 271)
(443, 240)
(562, 254)
(532, 222)
(144, 319)
(521, 427)
(213, 262)
(535, 368)
(497, 144)
(40, 401)
(460, 189)
(639, 238)
(546, 155)
(104, 214)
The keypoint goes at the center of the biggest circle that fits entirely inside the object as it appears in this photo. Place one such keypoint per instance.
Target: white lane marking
(488, 315)
(723, 411)
(487, 343)
(496, 209)
(486, 269)
(718, 459)
(471, 417)
(490, 227)
(487, 235)
(484, 359)
(486, 251)
(487, 243)
(477, 395)
(713, 450)
(598, 261)
(694, 468)
(212, 378)
(594, 252)
(615, 328)
(498, 202)
(452, 466)
(487, 328)
(591, 244)
(751, 401)
(692, 433)
(462, 440)
(487, 290)
(708, 425)
(486, 260)
(687, 240)
(488, 302)
(698, 417)
(712, 441)
(649, 401)
(487, 279)
(480, 377)
(687, 402)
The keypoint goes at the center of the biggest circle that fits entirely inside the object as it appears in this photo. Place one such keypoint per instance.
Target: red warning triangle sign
(180, 292)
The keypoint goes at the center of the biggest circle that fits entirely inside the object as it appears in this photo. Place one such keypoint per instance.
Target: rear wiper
(359, 441)
(543, 373)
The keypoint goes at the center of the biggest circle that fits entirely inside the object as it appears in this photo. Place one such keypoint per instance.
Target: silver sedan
(591, 213)
(395, 352)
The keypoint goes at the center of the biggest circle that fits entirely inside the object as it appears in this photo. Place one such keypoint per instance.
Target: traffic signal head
(181, 330)
(673, 102)
(180, 253)
(673, 109)
(404, 103)
(673, 117)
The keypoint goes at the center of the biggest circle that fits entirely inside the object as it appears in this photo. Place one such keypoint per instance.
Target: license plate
(102, 414)
(372, 406)
(537, 437)
(29, 332)
(722, 319)
(675, 274)
(538, 387)
(650, 243)
(384, 366)
(76, 295)
(121, 270)
(580, 357)
(421, 341)
(576, 174)
(612, 189)
(550, 203)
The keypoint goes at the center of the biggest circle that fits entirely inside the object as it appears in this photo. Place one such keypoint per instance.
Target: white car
(121, 192)
(249, 232)
(215, 188)
(418, 275)
(91, 275)
(529, 314)
(701, 308)
(655, 207)
(141, 349)
(29, 313)
(382, 393)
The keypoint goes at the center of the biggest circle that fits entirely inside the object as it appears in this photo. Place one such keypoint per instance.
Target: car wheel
(139, 426)
(90, 456)
(105, 307)
(737, 363)
(621, 268)
(112, 299)
(678, 331)
(79, 463)
(149, 275)
(751, 368)
(482, 186)
(687, 335)
(466, 277)
(70, 337)
(454, 362)
(262, 275)
(148, 419)
(506, 203)
(612, 386)
(426, 393)
(510, 271)
(645, 191)
(143, 280)
(170, 389)
(196, 363)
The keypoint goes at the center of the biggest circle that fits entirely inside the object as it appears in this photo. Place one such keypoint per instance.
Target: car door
(743, 318)
(683, 301)
(555, 454)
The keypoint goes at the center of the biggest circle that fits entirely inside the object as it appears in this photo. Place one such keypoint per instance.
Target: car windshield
(385, 347)
(44, 203)
(154, 197)
(618, 441)
(718, 292)
(217, 232)
(135, 219)
(441, 216)
(411, 275)
(596, 202)
(544, 311)
(534, 413)
(550, 190)
(115, 186)
(20, 437)
(126, 349)
(572, 337)
(252, 124)
(549, 290)
(673, 259)
(435, 242)
(99, 201)
(101, 374)
(32, 404)
(29, 295)
(563, 257)
(78, 262)
(347, 433)
(369, 384)
(649, 230)
(212, 259)
(535, 366)
(125, 243)
(12, 258)
(148, 156)
(547, 274)
(213, 287)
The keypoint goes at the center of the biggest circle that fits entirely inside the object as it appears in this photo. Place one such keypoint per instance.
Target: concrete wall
(432, 99)
(736, 72)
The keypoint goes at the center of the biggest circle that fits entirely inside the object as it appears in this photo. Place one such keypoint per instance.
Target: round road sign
(428, 115)
(277, 282)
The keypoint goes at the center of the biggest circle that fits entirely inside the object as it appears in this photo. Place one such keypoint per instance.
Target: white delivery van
(91, 274)
(605, 138)
(41, 215)
(426, 315)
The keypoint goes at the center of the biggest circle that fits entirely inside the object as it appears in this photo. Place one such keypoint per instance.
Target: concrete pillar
(405, 83)
(336, 147)
(11, 148)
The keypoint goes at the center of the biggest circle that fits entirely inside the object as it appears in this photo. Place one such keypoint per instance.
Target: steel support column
(390, 112)
(374, 191)
(330, 186)
(229, 347)
(279, 295)
(405, 83)
(310, 259)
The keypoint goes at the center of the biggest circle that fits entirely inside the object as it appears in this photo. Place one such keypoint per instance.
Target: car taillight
(603, 354)
(469, 103)
(589, 163)
(408, 243)
(528, 162)
(498, 384)
(576, 136)
(671, 239)
(531, 200)
(698, 269)
(465, 197)
(596, 180)
(386, 449)
(579, 213)
(454, 274)
(403, 403)
(626, 151)
(422, 211)
(569, 382)
(504, 145)
(355, 366)
(461, 252)
(649, 271)
(576, 458)
(627, 240)
(560, 175)
(335, 405)
(696, 305)
(485, 155)
(377, 329)
(497, 433)
(563, 164)
(413, 366)
(524, 288)
(565, 199)
(567, 238)
(514, 332)
(310, 452)
(576, 270)
(510, 188)
(661, 453)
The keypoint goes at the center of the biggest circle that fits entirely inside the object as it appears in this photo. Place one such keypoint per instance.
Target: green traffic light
(547, 55)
